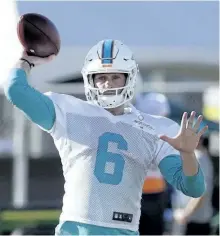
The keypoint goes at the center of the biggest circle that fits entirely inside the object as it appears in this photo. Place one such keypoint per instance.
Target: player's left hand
(188, 136)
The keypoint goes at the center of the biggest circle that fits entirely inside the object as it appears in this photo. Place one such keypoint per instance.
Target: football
(38, 35)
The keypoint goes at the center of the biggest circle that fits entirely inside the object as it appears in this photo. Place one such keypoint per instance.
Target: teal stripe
(107, 51)
(76, 228)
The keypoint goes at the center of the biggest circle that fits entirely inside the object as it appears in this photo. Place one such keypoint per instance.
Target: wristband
(30, 64)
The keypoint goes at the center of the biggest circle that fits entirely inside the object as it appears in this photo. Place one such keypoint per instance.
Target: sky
(179, 24)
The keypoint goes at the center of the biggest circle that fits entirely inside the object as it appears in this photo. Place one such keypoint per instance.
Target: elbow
(196, 185)
(201, 191)
(198, 191)
(197, 194)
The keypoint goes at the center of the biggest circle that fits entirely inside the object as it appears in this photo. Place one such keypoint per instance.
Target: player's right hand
(36, 60)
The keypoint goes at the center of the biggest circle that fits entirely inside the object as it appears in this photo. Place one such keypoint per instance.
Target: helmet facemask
(118, 97)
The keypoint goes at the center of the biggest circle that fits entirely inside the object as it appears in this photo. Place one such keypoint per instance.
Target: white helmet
(109, 56)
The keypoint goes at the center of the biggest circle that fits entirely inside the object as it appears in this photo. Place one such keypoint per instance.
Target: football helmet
(109, 56)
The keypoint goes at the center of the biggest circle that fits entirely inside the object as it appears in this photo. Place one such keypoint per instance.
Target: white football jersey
(105, 160)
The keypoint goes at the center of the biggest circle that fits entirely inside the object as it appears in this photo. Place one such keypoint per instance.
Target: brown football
(38, 35)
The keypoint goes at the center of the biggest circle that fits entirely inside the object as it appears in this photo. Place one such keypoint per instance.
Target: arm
(190, 163)
(172, 169)
(183, 170)
(37, 107)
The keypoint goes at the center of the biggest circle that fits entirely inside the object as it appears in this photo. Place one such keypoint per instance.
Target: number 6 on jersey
(104, 157)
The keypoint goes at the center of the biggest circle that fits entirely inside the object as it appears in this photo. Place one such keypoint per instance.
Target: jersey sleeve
(58, 129)
(36, 106)
(163, 148)
(65, 105)
(172, 170)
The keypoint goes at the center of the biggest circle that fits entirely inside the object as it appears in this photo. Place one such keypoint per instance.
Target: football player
(106, 145)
